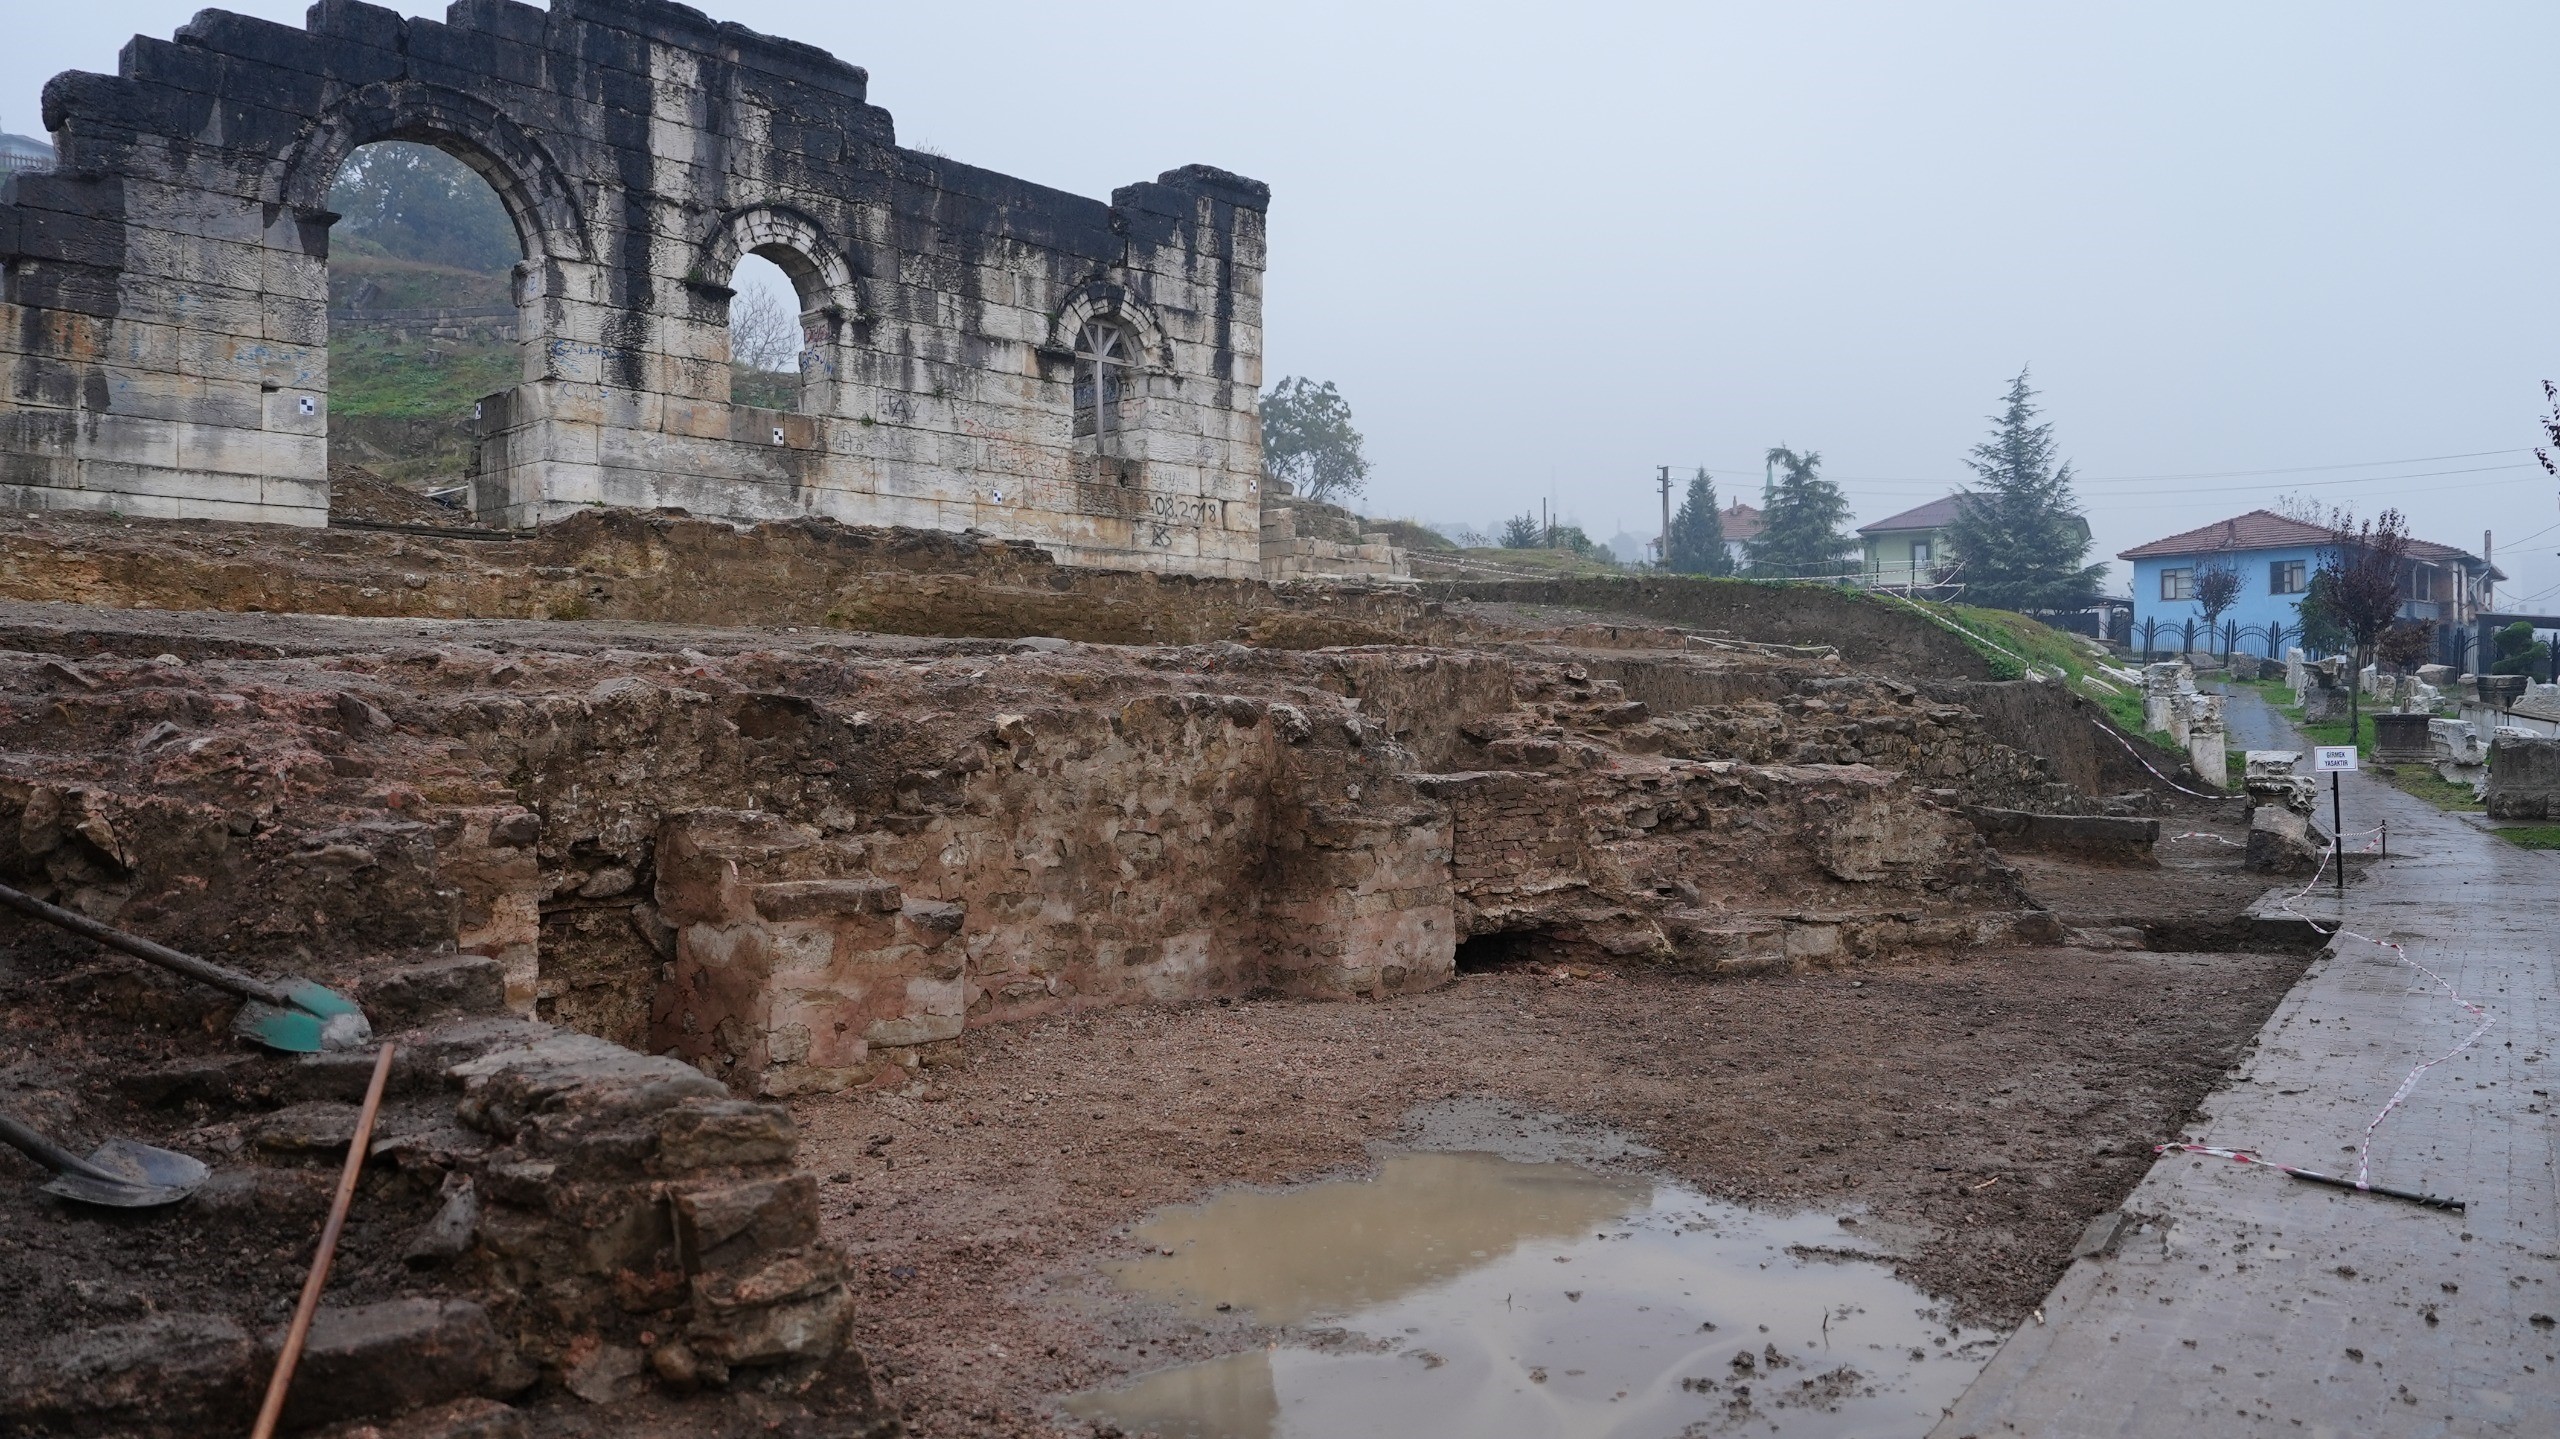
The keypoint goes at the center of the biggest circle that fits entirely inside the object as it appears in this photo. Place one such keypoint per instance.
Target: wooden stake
(282, 1383)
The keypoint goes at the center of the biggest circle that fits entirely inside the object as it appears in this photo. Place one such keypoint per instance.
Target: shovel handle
(51, 1155)
(143, 949)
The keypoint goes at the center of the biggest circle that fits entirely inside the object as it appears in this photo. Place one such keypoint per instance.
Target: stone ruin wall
(163, 332)
(790, 868)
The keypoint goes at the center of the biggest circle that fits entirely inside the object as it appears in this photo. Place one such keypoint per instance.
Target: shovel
(292, 1015)
(119, 1174)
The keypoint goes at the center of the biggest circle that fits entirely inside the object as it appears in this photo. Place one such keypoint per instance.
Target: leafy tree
(2362, 564)
(1697, 533)
(1308, 442)
(2021, 537)
(2518, 652)
(1523, 532)
(1800, 531)
(2217, 587)
(2406, 644)
(2317, 628)
(1571, 537)
(415, 202)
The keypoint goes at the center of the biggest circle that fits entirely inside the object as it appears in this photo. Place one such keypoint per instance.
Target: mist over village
(1635, 722)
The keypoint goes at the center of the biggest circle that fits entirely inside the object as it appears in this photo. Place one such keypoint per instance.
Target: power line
(1938, 480)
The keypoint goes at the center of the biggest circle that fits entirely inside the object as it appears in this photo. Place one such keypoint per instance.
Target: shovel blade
(146, 1177)
(317, 1020)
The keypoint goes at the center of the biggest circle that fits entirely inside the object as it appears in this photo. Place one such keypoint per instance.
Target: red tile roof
(1741, 522)
(1935, 515)
(2267, 530)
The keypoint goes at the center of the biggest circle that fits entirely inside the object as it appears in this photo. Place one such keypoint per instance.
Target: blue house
(2275, 558)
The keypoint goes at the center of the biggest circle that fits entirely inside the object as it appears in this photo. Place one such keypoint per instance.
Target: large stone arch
(529, 182)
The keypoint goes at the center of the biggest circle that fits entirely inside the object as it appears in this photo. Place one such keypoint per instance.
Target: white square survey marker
(2331, 758)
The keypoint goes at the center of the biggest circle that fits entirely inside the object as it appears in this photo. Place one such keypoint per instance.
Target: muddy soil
(1997, 1104)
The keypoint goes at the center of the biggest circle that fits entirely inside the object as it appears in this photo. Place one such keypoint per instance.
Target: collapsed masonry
(980, 352)
(621, 881)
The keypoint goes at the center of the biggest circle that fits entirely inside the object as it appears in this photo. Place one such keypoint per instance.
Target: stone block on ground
(2282, 841)
(389, 1358)
(2524, 776)
(168, 1370)
(2455, 740)
(2095, 836)
(2400, 739)
(463, 984)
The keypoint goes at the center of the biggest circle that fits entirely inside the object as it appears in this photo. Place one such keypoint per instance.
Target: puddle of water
(1468, 1294)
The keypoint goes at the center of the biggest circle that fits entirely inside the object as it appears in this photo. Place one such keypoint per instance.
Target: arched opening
(422, 325)
(1106, 381)
(766, 335)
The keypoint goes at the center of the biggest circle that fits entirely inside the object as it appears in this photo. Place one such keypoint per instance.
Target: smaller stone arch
(1100, 299)
(830, 297)
(791, 239)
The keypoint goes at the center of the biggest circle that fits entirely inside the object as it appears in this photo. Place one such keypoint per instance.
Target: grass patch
(372, 376)
(2052, 651)
(2531, 836)
(2427, 785)
(1557, 564)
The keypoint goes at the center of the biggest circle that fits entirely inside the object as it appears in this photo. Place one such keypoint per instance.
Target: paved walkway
(2243, 1302)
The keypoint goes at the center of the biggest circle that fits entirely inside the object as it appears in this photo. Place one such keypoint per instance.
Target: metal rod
(2309, 1176)
(2338, 838)
(282, 1382)
(51, 1155)
(160, 954)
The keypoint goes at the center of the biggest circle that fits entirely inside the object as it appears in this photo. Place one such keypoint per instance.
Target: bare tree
(2217, 584)
(2362, 569)
(2305, 509)
(764, 334)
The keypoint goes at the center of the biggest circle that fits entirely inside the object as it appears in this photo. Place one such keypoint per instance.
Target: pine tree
(2020, 537)
(1697, 533)
(1800, 533)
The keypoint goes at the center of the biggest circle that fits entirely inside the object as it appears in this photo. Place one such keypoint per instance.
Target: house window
(2177, 584)
(2422, 584)
(1103, 358)
(2287, 577)
(1919, 555)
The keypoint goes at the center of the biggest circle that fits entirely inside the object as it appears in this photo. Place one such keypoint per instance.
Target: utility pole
(1666, 518)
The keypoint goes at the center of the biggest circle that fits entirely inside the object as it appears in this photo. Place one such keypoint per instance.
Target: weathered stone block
(2400, 739)
(170, 1369)
(2524, 776)
(389, 1358)
(2282, 841)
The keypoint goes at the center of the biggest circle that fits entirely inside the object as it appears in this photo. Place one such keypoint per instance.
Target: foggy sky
(1545, 249)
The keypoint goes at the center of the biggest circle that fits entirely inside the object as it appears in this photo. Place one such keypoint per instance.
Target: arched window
(1104, 378)
(767, 333)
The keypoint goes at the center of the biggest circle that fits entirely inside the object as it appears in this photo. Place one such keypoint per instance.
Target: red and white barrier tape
(2371, 847)
(2155, 772)
(2408, 1086)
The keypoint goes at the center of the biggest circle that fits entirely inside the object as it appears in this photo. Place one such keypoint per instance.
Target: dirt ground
(1998, 1103)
